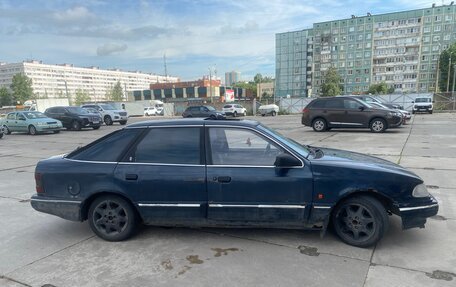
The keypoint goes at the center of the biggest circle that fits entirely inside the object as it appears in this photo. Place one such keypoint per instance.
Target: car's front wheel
(360, 221)
(32, 130)
(75, 125)
(319, 125)
(112, 218)
(96, 127)
(378, 125)
(108, 120)
(235, 114)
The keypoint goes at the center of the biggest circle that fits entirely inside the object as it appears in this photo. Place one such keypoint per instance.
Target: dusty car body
(220, 173)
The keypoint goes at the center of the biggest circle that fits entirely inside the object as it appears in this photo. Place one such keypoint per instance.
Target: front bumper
(48, 128)
(394, 121)
(422, 108)
(67, 209)
(120, 118)
(415, 216)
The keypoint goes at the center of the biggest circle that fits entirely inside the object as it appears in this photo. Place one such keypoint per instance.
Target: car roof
(337, 97)
(193, 121)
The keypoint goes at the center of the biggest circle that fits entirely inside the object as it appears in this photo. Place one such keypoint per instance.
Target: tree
(117, 92)
(81, 97)
(331, 86)
(252, 86)
(444, 62)
(6, 99)
(22, 88)
(379, 89)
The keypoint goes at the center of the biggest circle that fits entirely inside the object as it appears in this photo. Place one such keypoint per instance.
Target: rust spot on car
(307, 250)
(167, 264)
(223, 251)
(441, 275)
(193, 259)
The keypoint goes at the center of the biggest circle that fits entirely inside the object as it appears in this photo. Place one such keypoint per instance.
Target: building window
(427, 29)
(447, 37)
(448, 18)
(437, 28)
(351, 29)
(438, 18)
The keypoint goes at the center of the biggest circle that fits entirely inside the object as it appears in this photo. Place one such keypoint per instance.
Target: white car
(150, 111)
(234, 110)
(272, 110)
(423, 104)
(109, 113)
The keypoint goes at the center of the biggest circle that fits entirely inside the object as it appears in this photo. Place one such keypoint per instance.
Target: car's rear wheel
(7, 130)
(112, 218)
(360, 221)
(378, 125)
(273, 113)
(319, 125)
(96, 127)
(75, 125)
(32, 130)
(108, 120)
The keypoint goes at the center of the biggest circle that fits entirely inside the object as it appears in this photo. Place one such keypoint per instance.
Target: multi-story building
(401, 49)
(232, 78)
(54, 81)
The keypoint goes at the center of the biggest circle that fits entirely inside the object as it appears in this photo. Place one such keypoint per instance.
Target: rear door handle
(224, 179)
(131, 176)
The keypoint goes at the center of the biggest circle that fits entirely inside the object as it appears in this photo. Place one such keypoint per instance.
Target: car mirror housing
(285, 160)
(361, 108)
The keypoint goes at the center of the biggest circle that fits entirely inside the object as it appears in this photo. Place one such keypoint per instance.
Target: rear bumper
(67, 209)
(415, 216)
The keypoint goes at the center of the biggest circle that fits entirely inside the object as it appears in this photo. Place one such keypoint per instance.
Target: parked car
(272, 110)
(370, 99)
(423, 104)
(199, 172)
(203, 112)
(93, 111)
(30, 122)
(406, 116)
(322, 114)
(150, 111)
(234, 110)
(109, 113)
(74, 118)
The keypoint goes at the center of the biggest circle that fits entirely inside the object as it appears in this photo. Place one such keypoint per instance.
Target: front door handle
(224, 179)
(131, 176)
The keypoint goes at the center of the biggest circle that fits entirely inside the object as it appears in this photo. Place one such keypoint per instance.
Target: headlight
(420, 191)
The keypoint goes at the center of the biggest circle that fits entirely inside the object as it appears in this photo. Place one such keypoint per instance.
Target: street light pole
(449, 73)
(454, 76)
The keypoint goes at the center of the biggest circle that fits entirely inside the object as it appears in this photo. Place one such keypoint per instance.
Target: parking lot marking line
(15, 281)
(406, 140)
(13, 168)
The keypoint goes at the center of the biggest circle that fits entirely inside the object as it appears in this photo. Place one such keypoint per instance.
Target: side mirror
(285, 160)
(361, 108)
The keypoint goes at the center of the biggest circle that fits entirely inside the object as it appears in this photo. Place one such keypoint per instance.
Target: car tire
(319, 125)
(1, 135)
(32, 130)
(107, 120)
(235, 114)
(112, 218)
(56, 132)
(96, 128)
(8, 132)
(75, 125)
(360, 221)
(430, 112)
(273, 113)
(377, 125)
(263, 115)
(123, 122)
(413, 112)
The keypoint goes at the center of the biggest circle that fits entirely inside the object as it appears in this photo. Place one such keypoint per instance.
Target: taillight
(305, 110)
(39, 183)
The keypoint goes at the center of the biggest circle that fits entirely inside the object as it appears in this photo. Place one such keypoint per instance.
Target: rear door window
(169, 146)
(318, 104)
(334, 104)
(11, 116)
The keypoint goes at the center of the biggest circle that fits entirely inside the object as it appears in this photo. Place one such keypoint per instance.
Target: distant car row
(206, 111)
(69, 117)
(323, 114)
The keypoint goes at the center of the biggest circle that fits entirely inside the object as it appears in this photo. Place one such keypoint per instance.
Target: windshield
(35, 115)
(76, 110)
(422, 100)
(297, 147)
(107, 107)
(210, 108)
(379, 105)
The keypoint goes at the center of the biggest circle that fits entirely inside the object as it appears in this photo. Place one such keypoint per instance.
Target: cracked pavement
(37, 249)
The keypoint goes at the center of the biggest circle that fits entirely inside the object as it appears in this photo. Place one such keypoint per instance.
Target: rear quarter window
(316, 104)
(109, 148)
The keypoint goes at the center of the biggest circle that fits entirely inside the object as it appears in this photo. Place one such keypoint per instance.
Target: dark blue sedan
(231, 173)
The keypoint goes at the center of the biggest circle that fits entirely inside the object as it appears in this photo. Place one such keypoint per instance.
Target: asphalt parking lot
(38, 249)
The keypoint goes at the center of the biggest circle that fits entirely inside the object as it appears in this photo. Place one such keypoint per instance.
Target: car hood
(351, 159)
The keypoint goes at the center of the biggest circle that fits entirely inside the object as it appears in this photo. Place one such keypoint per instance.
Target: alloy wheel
(110, 217)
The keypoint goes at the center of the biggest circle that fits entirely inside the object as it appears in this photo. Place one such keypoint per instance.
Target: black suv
(74, 117)
(369, 99)
(203, 112)
(323, 114)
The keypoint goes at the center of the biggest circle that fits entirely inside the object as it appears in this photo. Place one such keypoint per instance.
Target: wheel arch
(378, 117)
(387, 202)
(85, 205)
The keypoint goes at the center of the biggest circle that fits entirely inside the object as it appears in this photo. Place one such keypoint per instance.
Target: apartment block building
(401, 49)
(54, 81)
(232, 78)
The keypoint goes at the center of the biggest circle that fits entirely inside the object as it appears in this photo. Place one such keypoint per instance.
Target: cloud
(111, 48)
(75, 14)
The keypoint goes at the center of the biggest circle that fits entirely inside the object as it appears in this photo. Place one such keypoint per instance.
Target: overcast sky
(194, 34)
